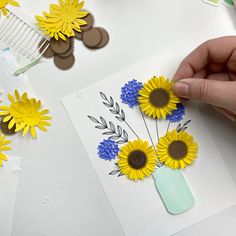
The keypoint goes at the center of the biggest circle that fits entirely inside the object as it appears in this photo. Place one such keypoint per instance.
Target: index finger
(213, 51)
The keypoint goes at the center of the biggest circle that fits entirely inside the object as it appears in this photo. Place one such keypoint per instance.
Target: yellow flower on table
(137, 159)
(177, 149)
(63, 19)
(156, 98)
(3, 147)
(25, 113)
(4, 3)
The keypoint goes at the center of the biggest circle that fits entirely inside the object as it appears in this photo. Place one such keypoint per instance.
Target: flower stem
(157, 130)
(168, 127)
(145, 123)
(131, 129)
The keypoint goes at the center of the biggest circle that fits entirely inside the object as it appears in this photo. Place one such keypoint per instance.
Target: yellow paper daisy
(3, 147)
(4, 3)
(63, 19)
(25, 114)
(156, 98)
(177, 149)
(137, 159)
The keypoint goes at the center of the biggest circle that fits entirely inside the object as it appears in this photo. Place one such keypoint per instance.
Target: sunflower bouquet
(138, 159)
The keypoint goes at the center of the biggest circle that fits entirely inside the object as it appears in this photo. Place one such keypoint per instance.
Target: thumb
(217, 93)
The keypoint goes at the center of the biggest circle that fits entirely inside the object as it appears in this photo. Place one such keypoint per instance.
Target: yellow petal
(13, 3)
(33, 132)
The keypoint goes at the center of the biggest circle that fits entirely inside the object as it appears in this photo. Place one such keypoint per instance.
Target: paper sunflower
(4, 3)
(137, 159)
(177, 149)
(63, 19)
(3, 147)
(25, 114)
(157, 98)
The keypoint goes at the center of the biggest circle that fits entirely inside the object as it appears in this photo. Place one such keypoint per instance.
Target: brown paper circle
(92, 38)
(90, 21)
(178, 150)
(60, 46)
(105, 38)
(78, 35)
(70, 51)
(137, 159)
(48, 53)
(5, 130)
(64, 63)
(159, 97)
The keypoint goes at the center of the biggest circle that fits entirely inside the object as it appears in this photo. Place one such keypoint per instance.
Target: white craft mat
(8, 183)
(138, 205)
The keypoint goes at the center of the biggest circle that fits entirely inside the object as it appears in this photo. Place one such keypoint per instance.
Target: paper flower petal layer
(177, 149)
(137, 159)
(63, 19)
(157, 98)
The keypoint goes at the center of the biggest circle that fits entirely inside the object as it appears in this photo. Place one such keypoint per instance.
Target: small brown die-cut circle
(70, 51)
(60, 46)
(92, 38)
(137, 159)
(159, 97)
(178, 149)
(5, 130)
(90, 21)
(105, 37)
(78, 35)
(64, 63)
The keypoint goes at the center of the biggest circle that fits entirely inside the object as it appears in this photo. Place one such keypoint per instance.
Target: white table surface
(59, 168)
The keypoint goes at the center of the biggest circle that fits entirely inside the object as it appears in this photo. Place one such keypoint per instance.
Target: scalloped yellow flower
(63, 19)
(177, 149)
(25, 114)
(137, 159)
(4, 3)
(157, 99)
(3, 147)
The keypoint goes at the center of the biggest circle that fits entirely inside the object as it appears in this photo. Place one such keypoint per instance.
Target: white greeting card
(138, 205)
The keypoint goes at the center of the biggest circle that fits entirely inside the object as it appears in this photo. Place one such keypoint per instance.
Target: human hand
(208, 74)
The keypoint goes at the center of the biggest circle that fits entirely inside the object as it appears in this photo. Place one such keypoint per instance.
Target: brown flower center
(178, 150)
(159, 97)
(137, 159)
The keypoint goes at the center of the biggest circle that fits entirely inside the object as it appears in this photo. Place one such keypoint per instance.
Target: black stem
(131, 129)
(157, 130)
(145, 123)
(168, 126)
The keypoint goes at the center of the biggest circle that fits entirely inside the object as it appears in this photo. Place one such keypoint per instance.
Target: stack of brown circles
(62, 52)
(92, 37)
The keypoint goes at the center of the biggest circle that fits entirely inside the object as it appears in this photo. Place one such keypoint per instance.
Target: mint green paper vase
(173, 189)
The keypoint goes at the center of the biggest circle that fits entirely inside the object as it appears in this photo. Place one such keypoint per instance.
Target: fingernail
(181, 89)
(231, 117)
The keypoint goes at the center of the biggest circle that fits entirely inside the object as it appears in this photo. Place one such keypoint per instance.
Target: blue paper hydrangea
(177, 115)
(130, 93)
(108, 149)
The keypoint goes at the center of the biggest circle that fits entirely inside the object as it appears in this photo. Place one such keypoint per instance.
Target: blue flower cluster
(108, 149)
(177, 115)
(130, 93)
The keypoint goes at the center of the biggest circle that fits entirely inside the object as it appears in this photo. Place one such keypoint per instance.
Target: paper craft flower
(137, 159)
(4, 3)
(63, 19)
(177, 149)
(3, 147)
(130, 93)
(177, 115)
(157, 98)
(108, 149)
(25, 114)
